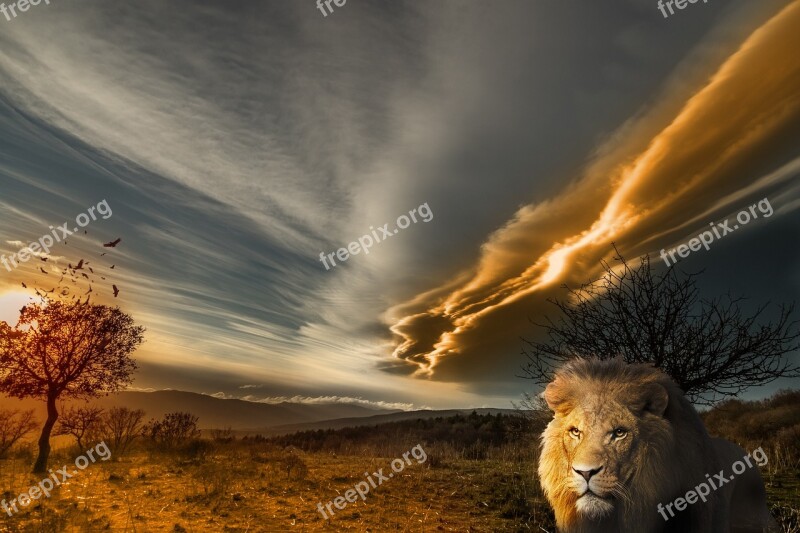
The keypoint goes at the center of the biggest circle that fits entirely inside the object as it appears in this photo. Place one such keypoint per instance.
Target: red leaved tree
(66, 350)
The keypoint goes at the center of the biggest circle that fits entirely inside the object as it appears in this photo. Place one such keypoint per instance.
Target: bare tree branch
(710, 347)
(79, 423)
(14, 425)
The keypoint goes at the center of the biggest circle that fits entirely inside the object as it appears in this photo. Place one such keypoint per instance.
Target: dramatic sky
(235, 141)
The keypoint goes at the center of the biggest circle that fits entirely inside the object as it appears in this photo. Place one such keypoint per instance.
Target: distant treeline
(773, 423)
(473, 433)
(744, 421)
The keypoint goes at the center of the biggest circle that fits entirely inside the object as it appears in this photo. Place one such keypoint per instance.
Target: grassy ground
(259, 487)
(243, 490)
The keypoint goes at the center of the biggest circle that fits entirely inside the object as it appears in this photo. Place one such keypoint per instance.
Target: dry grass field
(258, 487)
(274, 485)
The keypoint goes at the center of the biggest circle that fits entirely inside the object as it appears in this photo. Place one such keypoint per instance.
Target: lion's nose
(587, 474)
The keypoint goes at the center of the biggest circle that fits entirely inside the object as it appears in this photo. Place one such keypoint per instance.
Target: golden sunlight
(10, 304)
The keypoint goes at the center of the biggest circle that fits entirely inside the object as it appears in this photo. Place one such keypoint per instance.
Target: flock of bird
(75, 274)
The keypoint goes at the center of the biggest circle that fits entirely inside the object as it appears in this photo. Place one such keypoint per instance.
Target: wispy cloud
(317, 400)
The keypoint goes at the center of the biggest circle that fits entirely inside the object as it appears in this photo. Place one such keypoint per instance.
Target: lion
(624, 443)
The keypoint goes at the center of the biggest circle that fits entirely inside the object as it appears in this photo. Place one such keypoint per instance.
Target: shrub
(120, 427)
(173, 431)
(197, 450)
(14, 425)
(294, 463)
(81, 423)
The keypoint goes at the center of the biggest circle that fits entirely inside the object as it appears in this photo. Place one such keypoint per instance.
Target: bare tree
(79, 423)
(293, 462)
(60, 349)
(122, 426)
(710, 347)
(174, 430)
(14, 425)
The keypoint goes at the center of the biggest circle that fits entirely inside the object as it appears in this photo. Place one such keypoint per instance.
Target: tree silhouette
(710, 347)
(172, 431)
(121, 426)
(62, 350)
(14, 425)
(80, 422)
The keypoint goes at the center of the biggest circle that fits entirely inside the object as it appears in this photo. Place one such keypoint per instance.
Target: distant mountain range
(249, 417)
(214, 412)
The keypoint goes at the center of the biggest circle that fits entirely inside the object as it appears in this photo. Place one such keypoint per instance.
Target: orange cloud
(712, 147)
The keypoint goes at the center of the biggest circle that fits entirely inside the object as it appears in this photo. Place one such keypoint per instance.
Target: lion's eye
(575, 432)
(620, 433)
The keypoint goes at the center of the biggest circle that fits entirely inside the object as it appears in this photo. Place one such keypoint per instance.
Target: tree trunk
(44, 440)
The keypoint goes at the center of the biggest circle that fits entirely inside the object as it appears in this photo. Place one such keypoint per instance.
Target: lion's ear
(654, 399)
(557, 397)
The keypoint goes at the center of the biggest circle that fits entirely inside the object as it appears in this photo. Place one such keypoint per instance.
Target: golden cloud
(710, 148)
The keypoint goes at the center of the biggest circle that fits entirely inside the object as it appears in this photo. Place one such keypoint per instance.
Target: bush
(216, 479)
(197, 450)
(294, 463)
(81, 423)
(173, 431)
(14, 425)
(119, 428)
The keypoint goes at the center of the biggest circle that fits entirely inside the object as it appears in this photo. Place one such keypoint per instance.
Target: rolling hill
(214, 412)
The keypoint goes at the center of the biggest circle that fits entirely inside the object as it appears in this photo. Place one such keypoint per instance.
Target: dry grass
(240, 488)
(259, 487)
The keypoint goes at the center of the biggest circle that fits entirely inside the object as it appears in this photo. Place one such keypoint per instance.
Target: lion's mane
(671, 456)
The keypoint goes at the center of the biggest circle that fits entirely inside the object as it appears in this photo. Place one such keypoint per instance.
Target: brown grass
(479, 476)
(246, 489)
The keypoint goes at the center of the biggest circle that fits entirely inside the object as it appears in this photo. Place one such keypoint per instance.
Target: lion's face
(606, 440)
(599, 440)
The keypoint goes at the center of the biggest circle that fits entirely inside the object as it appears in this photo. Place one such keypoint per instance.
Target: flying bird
(116, 291)
(43, 259)
(43, 270)
(112, 244)
(112, 267)
(24, 286)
